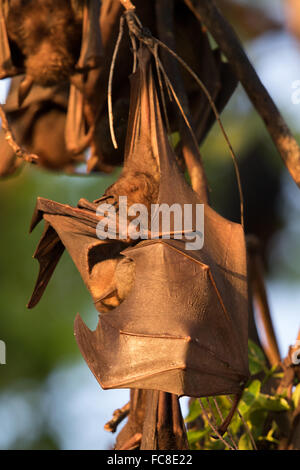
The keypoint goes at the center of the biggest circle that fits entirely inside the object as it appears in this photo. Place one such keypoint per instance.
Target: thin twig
(118, 416)
(170, 86)
(215, 111)
(10, 138)
(162, 95)
(213, 427)
(245, 425)
(222, 419)
(127, 4)
(189, 147)
(223, 33)
(211, 411)
(109, 92)
(150, 41)
(260, 296)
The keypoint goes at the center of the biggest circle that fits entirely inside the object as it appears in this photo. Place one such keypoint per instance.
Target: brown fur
(139, 187)
(112, 279)
(45, 36)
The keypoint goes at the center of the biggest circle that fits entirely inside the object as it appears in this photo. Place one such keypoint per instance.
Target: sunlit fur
(45, 36)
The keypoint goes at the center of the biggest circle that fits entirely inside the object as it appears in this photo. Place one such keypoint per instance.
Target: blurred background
(48, 397)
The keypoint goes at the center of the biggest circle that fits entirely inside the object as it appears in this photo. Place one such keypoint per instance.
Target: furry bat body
(45, 37)
(39, 124)
(50, 40)
(52, 43)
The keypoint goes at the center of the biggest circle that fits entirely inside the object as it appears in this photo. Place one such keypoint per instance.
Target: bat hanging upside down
(45, 37)
(191, 301)
(108, 275)
(154, 296)
(48, 40)
(117, 274)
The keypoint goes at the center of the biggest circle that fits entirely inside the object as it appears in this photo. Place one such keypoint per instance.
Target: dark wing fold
(73, 228)
(171, 333)
(48, 254)
(7, 68)
(91, 46)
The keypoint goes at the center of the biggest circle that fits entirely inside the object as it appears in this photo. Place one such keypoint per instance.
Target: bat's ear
(91, 44)
(7, 68)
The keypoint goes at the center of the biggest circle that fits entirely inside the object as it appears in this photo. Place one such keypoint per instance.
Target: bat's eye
(40, 32)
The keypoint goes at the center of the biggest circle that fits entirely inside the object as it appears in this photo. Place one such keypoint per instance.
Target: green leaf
(245, 443)
(270, 373)
(257, 360)
(249, 396)
(296, 396)
(195, 436)
(194, 411)
(272, 403)
(254, 387)
(256, 421)
(235, 424)
(270, 436)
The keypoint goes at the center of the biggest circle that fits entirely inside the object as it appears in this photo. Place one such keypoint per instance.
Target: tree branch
(127, 4)
(226, 38)
(118, 416)
(189, 146)
(19, 151)
(256, 278)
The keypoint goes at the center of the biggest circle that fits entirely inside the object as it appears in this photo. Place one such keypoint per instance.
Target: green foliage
(296, 396)
(257, 360)
(245, 442)
(255, 421)
(41, 339)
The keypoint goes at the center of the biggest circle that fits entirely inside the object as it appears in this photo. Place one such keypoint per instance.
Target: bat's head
(139, 187)
(45, 38)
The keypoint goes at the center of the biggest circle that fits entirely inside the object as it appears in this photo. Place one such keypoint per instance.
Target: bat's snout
(48, 66)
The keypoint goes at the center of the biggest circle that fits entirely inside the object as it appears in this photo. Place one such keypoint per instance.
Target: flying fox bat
(49, 40)
(190, 302)
(39, 125)
(182, 326)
